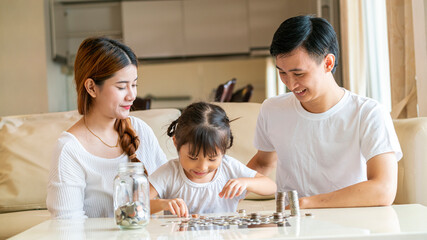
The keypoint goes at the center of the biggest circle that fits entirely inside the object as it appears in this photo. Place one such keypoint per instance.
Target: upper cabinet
(74, 21)
(154, 29)
(158, 29)
(215, 27)
(264, 17)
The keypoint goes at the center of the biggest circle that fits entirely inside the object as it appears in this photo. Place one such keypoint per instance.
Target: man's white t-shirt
(324, 152)
(171, 182)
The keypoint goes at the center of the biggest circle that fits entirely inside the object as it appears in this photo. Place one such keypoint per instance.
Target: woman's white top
(81, 184)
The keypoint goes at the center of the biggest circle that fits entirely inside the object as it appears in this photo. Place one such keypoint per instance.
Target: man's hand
(233, 188)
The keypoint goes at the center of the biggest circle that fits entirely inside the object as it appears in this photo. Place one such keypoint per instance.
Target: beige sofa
(26, 144)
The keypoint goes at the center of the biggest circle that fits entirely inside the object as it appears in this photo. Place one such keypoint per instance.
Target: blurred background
(188, 49)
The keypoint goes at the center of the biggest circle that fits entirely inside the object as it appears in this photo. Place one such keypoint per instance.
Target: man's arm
(263, 162)
(379, 190)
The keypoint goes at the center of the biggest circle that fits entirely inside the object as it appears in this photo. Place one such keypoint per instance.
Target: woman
(87, 155)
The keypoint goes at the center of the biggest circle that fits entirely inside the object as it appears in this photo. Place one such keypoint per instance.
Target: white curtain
(271, 78)
(377, 58)
(364, 46)
(274, 85)
(352, 45)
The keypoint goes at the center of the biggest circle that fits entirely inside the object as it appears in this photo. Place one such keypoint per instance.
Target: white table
(394, 222)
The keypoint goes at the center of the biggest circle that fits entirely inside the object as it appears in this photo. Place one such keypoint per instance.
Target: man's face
(303, 75)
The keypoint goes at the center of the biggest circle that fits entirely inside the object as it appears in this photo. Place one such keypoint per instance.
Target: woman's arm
(66, 186)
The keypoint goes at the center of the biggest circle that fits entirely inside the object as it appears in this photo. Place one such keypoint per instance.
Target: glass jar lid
(131, 167)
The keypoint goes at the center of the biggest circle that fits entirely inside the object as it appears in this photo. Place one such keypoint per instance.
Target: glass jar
(131, 196)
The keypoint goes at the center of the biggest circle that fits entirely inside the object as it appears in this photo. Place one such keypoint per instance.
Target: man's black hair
(315, 35)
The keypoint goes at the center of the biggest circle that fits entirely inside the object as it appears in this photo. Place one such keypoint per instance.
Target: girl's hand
(176, 206)
(233, 188)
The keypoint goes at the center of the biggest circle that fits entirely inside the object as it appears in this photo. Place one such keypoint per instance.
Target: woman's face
(115, 97)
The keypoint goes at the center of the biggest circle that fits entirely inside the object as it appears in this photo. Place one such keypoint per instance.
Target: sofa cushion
(159, 120)
(243, 129)
(412, 168)
(26, 147)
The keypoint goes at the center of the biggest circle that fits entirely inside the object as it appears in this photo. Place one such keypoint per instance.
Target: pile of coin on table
(253, 220)
(226, 222)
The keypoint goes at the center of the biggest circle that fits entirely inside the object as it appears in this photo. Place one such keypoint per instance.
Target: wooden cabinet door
(153, 29)
(215, 27)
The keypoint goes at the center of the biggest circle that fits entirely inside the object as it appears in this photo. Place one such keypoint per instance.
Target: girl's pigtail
(231, 140)
(172, 128)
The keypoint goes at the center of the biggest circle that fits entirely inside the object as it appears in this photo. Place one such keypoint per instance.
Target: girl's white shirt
(171, 182)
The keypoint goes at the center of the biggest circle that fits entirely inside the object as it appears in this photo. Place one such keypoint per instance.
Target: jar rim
(136, 167)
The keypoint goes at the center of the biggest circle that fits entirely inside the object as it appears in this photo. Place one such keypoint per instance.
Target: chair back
(141, 104)
(243, 94)
(225, 91)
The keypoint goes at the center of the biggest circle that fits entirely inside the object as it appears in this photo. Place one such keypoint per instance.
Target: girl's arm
(176, 206)
(259, 184)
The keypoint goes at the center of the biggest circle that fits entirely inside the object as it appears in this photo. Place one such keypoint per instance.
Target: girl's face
(115, 97)
(199, 169)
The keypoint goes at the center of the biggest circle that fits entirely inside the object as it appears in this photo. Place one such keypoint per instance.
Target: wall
(30, 82)
(199, 79)
(23, 86)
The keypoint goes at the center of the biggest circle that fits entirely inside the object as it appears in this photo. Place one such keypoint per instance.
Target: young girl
(203, 179)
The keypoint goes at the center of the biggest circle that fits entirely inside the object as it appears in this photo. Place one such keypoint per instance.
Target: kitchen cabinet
(266, 16)
(174, 29)
(154, 29)
(158, 29)
(215, 27)
(73, 21)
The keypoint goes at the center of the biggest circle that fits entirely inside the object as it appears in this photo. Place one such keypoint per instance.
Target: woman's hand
(233, 188)
(176, 206)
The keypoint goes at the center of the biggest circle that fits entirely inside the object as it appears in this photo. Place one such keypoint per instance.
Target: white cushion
(243, 130)
(26, 147)
(412, 134)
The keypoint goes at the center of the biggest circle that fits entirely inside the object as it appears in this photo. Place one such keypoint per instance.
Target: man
(337, 149)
